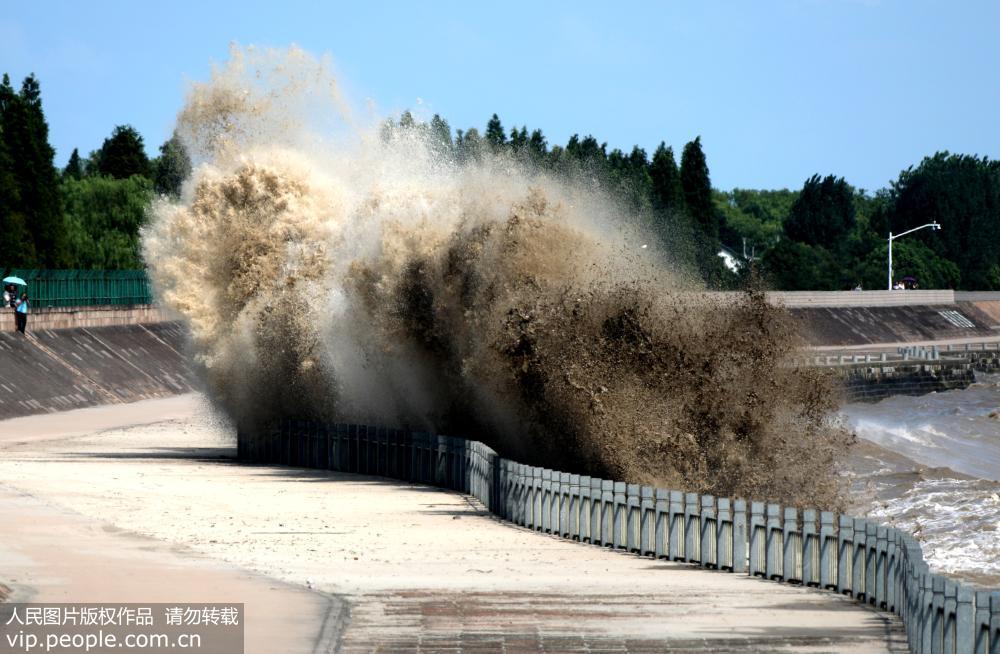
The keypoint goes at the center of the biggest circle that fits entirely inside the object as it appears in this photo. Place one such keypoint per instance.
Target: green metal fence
(71, 288)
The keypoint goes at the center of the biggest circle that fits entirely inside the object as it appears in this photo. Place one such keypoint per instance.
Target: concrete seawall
(94, 316)
(57, 370)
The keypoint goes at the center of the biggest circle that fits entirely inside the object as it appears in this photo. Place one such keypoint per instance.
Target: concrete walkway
(420, 569)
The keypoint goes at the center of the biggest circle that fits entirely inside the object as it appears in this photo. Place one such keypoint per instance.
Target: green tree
(440, 136)
(74, 167)
(495, 136)
(795, 266)
(668, 196)
(16, 245)
(537, 146)
(910, 258)
(171, 168)
(36, 209)
(697, 188)
(961, 193)
(123, 154)
(823, 213)
(469, 145)
(103, 217)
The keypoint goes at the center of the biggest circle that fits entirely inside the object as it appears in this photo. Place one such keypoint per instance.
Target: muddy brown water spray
(341, 275)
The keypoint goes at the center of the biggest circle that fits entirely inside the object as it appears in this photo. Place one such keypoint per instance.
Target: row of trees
(676, 200)
(826, 235)
(833, 236)
(87, 215)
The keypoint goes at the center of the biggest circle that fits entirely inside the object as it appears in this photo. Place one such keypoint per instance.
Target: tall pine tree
(74, 167)
(495, 136)
(124, 154)
(171, 168)
(26, 137)
(697, 189)
(668, 196)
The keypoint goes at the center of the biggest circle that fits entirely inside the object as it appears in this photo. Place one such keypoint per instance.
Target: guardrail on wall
(877, 565)
(73, 288)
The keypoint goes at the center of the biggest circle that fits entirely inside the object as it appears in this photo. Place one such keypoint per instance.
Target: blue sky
(778, 90)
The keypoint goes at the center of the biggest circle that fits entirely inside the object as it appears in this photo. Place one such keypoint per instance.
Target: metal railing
(70, 288)
(877, 565)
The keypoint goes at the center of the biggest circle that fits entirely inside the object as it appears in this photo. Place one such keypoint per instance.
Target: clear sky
(778, 90)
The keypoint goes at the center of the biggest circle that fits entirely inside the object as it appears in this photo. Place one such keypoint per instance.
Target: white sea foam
(957, 522)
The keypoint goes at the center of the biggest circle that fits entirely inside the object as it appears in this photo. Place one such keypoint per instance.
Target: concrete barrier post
(560, 511)
(647, 523)
(758, 540)
(708, 536)
(881, 562)
(692, 529)
(860, 556)
(950, 614)
(416, 439)
(995, 621)
(724, 539)
(677, 540)
(441, 462)
(506, 490)
(546, 500)
(550, 479)
(662, 522)
(341, 454)
(596, 506)
(382, 451)
(965, 631)
(607, 513)
(740, 562)
(619, 525)
(871, 561)
(361, 443)
(326, 440)
(525, 497)
(536, 498)
(981, 622)
(312, 444)
(633, 518)
(937, 613)
(926, 612)
(792, 546)
(586, 501)
(892, 570)
(810, 549)
(375, 450)
(573, 509)
(845, 555)
(775, 540)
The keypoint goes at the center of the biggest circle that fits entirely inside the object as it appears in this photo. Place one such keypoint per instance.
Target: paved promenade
(417, 569)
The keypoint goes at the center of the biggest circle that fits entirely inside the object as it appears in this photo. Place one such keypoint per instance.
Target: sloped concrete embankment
(61, 369)
(862, 326)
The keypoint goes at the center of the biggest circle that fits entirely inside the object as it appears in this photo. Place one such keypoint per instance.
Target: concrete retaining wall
(57, 370)
(877, 565)
(797, 299)
(855, 326)
(96, 316)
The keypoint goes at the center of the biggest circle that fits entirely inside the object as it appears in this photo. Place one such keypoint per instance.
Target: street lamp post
(892, 237)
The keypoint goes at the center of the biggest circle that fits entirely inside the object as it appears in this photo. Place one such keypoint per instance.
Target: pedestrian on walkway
(21, 313)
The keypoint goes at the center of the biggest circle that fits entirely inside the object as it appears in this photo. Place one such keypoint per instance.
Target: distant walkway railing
(74, 288)
(878, 566)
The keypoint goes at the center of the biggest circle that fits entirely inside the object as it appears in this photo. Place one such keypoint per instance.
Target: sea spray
(354, 273)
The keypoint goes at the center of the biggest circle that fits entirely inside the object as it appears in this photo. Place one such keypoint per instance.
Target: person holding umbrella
(21, 313)
(10, 298)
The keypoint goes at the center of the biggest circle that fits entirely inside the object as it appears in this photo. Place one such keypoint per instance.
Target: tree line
(86, 215)
(827, 235)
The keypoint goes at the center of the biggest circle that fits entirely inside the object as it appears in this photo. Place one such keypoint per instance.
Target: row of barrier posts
(876, 565)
